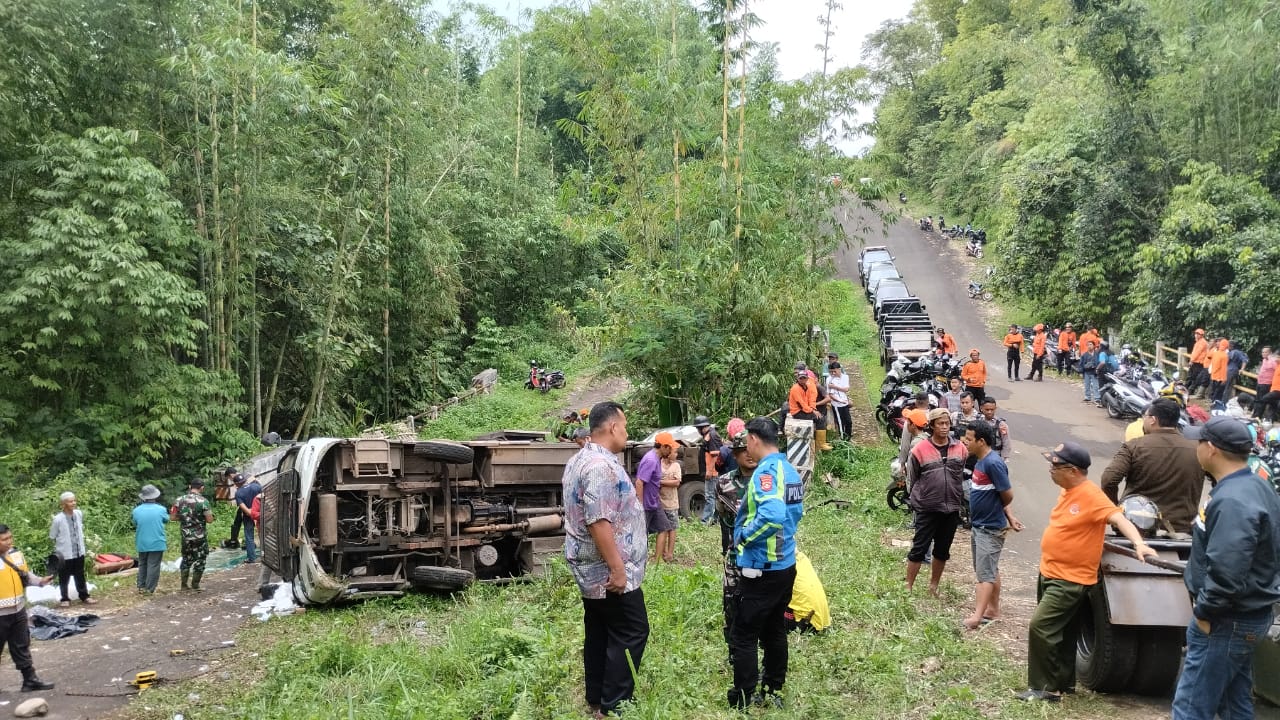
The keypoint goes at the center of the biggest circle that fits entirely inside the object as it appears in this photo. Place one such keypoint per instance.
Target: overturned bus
(348, 519)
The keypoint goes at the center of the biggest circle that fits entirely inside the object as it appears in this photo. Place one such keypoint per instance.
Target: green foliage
(1212, 263)
(1065, 128)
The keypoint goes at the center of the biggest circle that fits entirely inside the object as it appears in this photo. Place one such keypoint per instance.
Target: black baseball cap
(196, 482)
(1069, 453)
(1225, 433)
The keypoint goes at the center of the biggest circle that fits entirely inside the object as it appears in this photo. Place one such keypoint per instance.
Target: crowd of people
(192, 511)
(608, 518)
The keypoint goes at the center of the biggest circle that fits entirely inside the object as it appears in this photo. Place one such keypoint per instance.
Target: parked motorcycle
(1123, 398)
(544, 380)
(926, 224)
(976, 291)
(973, 248)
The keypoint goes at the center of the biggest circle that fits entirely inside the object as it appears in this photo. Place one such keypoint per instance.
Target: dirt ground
(596, 389)
(177, 634)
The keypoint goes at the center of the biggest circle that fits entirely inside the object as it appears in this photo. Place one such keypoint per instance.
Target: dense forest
(222, 218)
(1124, 155)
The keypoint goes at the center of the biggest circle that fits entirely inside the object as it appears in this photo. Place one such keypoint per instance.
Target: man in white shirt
(838, 391)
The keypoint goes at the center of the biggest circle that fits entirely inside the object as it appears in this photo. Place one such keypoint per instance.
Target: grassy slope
(514, 652)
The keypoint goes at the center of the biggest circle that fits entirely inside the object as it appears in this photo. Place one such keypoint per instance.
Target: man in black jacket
(1233, 576)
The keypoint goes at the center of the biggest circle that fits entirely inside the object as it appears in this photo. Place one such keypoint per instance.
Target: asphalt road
(1040, 414)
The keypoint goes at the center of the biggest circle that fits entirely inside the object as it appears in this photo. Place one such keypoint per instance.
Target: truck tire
(693, 498)
(434, 577)
(1159, 659)
(444, 451)
(1105, 653)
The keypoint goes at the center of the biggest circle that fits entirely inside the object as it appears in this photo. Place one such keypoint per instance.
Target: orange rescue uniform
(1083, 343)
(1071, 546)
(1014, 340)
(974, 373)
(802, 399)
(1066, 340)
(948, 343)
(1200, 352)
(1218, 362)
(1037, 343)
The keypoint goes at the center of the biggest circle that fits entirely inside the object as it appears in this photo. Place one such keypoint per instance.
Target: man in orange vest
(1197, 377)
(946, 342)
(1089, 335)
(1038, 353)
(1217, 361)
(974, 375)
(1066, 344)
(1013, 341)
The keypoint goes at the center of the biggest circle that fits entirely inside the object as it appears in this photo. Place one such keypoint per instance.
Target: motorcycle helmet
(1273, 436)
(1143, 513)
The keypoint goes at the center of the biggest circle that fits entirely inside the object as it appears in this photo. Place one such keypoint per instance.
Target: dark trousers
(1064, 362)
(979, 394)
(1037, 366)
(617, 629)
(236, 522)
(1197, 377)
(1013, 363)
(1267, 405)
(72, 568)
(149, 569)
(14, 632)
(844, 421)
(1217, 391)
(1052, 635)
(760, 623)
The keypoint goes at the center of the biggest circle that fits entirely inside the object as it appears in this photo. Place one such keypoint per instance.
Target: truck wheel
(444, 451)
(1105, 653)
(1159, 658)
(693, 498)
(434, 577)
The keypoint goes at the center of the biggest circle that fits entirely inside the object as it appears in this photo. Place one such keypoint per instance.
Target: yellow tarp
(808, 598)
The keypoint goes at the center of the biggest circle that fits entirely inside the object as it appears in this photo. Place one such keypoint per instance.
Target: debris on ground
(281, 603)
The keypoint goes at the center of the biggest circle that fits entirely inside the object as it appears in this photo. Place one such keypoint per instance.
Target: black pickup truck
(904, 329)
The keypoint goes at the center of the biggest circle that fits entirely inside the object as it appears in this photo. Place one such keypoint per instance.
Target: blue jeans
(1217, 675)
(250, 549)
(708, 499)
(1091, 387)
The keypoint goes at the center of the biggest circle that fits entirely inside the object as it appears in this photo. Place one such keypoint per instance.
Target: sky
(793, 24)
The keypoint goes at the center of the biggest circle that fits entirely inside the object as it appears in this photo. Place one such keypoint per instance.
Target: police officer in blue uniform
(764, 536)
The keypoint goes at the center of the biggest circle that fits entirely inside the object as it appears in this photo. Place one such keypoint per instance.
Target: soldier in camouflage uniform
(193, 512)
(728, 497)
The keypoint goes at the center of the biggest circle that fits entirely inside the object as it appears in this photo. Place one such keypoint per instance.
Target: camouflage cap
(740, 440)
